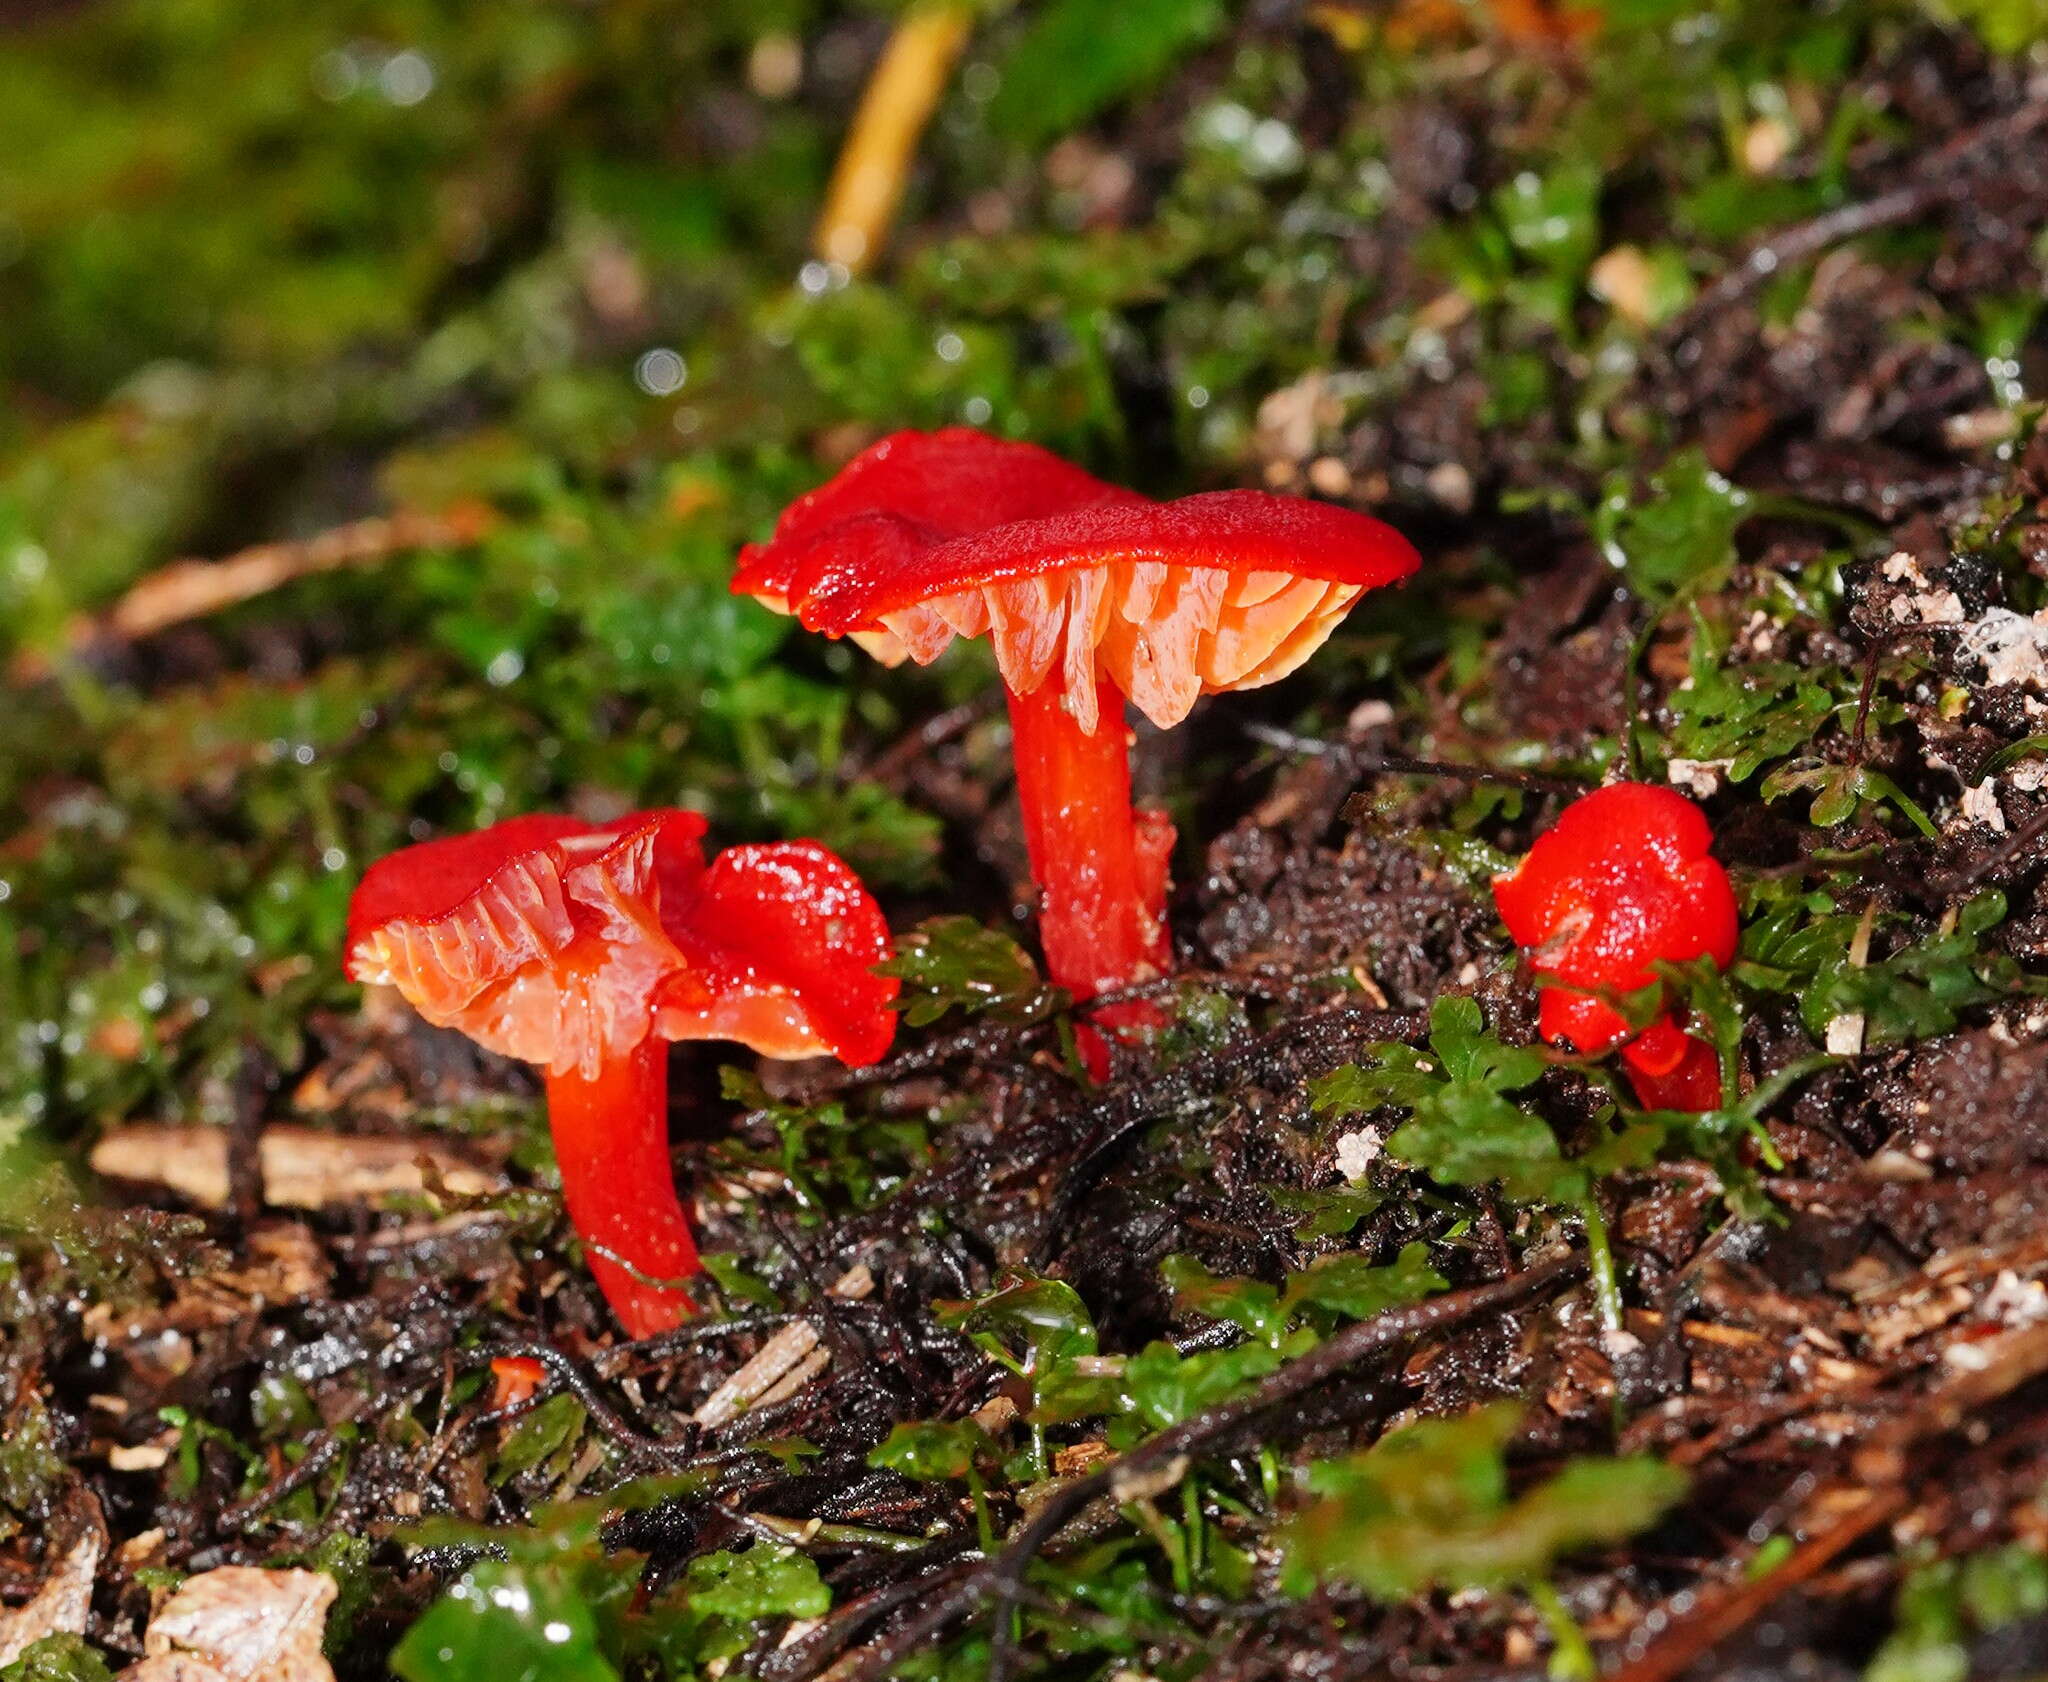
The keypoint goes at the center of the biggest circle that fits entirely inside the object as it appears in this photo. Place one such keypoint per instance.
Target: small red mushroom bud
(515, 1379)
(581, 948)
(1091, 595)
(1622, 882)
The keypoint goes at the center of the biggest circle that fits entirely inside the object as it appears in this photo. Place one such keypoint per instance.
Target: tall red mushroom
(582, 948)
(1091, 595)
(1623, 881)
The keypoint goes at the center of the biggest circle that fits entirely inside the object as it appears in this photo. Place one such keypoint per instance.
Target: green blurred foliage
(1430, 1506)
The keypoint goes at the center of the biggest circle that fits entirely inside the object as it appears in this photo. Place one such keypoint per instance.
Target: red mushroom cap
(790, 969)
(944, 484)
(925, 538)
(515, 1379)
(564, 943)
(1622, 882)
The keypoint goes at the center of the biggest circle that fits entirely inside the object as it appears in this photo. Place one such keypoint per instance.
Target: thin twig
(810, 1654)
(196, 588)
(1808, 239)
(609, 1421)
(1880, 646)
(867, 182)
(1401, 764)
(1162, 1461)
(325, 1449)
(2014, 1360)
(648, 1352)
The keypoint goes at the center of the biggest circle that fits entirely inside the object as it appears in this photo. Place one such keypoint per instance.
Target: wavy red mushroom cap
(1623, 881)
(789, 965)
(563, 943)
(929, 537)
(948, 483)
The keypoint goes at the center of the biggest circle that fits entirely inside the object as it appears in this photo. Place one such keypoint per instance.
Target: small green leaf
(1246, 1303)
(735, 1283)
(58, 1658)
(1428, 1507)
(1327, 1211)
(504, 1622)
(1167, 1386)
(765, 1581)
(1474, 1138)
(1464, 1130)
(550, 1430)
(1046, 1315)
(2003, 1585)
(1349, 1284)
(1678, 538)
(953, 963)
(933, 1450)
(1063, 1393)
(1079, 56)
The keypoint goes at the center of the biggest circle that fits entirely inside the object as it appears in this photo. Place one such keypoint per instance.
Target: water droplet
(660, 372)
(407, 78)
(336, 74)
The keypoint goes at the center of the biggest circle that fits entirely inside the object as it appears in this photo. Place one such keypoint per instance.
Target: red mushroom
(1622, 882)
(582, 947)
(1091, 595)
(515, 1381)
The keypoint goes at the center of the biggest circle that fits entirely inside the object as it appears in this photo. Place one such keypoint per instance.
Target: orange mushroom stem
(1100, 866)
(583, 948)
(610, 1133)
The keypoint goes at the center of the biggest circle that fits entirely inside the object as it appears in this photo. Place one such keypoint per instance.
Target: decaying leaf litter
(1347, 1333)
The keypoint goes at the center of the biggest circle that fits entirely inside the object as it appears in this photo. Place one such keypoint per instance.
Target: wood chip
(789, 1352)
(78, 1537)
(302, 1168)
(1073, 1460)
(173, 1667)
(996, 1415)
(248, 1625)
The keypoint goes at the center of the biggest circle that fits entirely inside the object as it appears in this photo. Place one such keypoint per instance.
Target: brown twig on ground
(1164, 1460)
(301, 1167)
(1373, 762)
(324, 1451)
(667, 1454)
(786, 1363)
(192, 589)
(1880, 1488)
(1903, 203)
(1724, 1617)
(867, 182)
